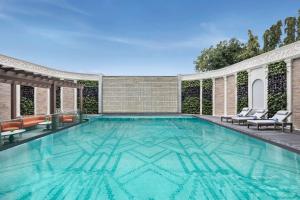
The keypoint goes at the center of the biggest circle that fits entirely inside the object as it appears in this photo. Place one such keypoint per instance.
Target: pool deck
(287, 140)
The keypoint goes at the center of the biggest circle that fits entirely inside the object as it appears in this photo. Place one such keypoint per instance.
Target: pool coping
(250, 132)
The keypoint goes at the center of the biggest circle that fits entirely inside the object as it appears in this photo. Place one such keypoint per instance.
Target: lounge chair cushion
(244, 112)
(243, 118)
(259, 114)
(263, 121)
(280, 116)
(10, 126)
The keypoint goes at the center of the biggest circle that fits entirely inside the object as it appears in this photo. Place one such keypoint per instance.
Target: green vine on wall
(191, 97)
(27, 100)
(242, 90)
(277, 97)
(207, 86)
(90, 96)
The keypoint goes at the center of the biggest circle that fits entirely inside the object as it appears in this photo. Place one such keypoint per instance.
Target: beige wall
(231, 95)
(5, 108)
(41, 101)
(68, 99)
(296, 93)
(140, 94)
(219, 96)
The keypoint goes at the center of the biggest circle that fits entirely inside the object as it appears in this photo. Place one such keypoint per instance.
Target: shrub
(207, 97)
(191, 97)
(277, 97)
(90, 97)
(242, 90)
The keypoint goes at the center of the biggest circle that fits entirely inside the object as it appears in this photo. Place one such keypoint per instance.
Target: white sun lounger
(258, 114)
(279, 119)
(245, 111)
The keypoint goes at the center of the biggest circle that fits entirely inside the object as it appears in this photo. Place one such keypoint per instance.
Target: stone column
(236, 93)
(34, 100)
(49, 99)
(100, 95)
(266, 87)
(213, 96)
(75, 97)
(18, 100)
(179, 94)
(201, 82)
(225, 95)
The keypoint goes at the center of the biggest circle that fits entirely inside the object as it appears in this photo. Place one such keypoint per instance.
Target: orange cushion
(7, 126)
(10, 129)
(29, 124)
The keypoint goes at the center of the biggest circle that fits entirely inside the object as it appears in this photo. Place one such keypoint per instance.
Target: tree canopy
(227, 53)
(231, 51)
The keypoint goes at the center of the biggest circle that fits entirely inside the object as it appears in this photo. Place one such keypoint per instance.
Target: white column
(62, 99)
(225, 95)
(266, 87)
(179, 94)
(289, 89)
(201, 82)
(75, 97)
(48, 101)
(235, 93)
(213, 96)
(35, 100)
(289, 84)
(100, 94)
(18, 100)
(249, 89)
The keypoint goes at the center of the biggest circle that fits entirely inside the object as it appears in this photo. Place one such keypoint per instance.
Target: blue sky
(129, 37)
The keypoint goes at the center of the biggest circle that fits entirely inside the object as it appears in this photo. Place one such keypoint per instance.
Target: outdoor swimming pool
(148, 158)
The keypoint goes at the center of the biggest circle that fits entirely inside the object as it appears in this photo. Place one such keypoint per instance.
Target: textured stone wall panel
(41, 101)
(140, 94)
(230, 93)
(219, 96)
(68, 99)
(296, 93)
(5, 108)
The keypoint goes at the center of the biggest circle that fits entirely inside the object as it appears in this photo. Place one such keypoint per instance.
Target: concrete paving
(287, 140)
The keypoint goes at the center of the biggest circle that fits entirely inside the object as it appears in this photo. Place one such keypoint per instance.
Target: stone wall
(296, 93)
(42, 101)
(231, 95)
(5, 108)
(68, 99)
(140, 94)
(219, 97)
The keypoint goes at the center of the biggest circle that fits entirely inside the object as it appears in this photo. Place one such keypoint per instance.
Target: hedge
(191, 97)
(207, 86)
(242, 90)
(90, 97)
(277, 97)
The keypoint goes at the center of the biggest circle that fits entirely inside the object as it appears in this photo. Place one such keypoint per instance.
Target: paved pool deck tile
(287, 140)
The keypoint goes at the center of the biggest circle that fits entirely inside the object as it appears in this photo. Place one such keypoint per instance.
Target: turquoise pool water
(148, 158)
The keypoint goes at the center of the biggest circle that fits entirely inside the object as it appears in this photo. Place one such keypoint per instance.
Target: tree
(223, 54)
(252, 47)
(298, 26)
(290, 30)
(275, 35)
(266, 38)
